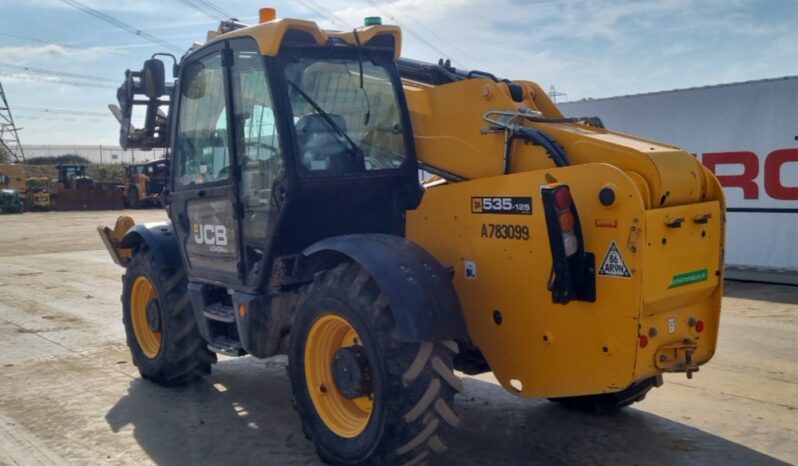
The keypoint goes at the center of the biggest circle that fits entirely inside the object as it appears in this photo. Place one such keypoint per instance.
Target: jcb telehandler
(145, 183)
(574, 262)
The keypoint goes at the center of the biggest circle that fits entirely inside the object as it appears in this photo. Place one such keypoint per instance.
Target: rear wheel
(159, 323)
(364, 396)
(608, 402)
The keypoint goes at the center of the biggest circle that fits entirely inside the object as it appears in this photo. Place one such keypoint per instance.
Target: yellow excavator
(575, 263)
(40, 195)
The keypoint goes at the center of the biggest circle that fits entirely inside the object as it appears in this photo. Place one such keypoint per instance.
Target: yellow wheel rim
(346, 418)
(148, 339)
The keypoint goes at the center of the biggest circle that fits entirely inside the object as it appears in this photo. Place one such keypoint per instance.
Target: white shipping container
(747, 133)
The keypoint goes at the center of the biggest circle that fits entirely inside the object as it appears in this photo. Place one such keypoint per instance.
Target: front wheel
(159, 322)
(363, 395)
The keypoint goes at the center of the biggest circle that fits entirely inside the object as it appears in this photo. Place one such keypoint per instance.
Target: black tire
(183, 355)
(414, 383)
(133, 198)
(609, 402)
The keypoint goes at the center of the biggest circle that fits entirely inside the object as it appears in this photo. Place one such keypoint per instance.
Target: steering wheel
(263, 145)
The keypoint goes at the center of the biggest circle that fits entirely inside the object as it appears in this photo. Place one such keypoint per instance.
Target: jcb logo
(214, 235)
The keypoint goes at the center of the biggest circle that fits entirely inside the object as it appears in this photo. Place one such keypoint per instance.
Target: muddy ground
(70, 395)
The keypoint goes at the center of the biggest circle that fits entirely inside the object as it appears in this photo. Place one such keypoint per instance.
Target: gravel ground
(70, 395)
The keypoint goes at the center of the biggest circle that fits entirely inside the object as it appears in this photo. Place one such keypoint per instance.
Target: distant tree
(114, 173)
(5, 155)
(66, 159)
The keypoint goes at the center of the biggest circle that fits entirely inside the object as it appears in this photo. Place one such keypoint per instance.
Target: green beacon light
(372, 21)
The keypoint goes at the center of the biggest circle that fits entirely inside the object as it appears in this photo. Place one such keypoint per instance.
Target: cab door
(261, 163)
(203, 202)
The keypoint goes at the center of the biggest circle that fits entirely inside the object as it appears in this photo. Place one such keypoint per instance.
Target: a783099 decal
(501, 205)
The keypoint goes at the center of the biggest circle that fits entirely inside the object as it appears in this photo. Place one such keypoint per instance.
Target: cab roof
(272, 35)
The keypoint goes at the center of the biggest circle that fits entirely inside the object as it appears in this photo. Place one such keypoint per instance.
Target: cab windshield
(344, 124)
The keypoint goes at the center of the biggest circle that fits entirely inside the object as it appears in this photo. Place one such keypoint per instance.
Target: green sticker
(689, 277)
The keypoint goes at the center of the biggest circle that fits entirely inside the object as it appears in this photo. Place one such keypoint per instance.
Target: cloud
(32, 54)
(587, 48)
(123, 6)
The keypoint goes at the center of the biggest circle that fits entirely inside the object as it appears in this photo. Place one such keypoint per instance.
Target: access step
(226, 346)
(220, 312)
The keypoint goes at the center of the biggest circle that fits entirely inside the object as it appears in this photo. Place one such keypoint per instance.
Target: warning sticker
(613, 264)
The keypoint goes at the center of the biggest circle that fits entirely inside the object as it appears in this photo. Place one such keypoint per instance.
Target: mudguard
(418, 288)
(158, 236)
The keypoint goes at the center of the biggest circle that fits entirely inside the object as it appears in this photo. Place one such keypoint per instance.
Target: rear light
(562, 198)
(567, 222)
(643, 341)
(571, 244)
(573, 269)
(699, 326)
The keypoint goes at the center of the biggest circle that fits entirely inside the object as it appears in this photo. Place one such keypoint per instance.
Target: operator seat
(320, 148)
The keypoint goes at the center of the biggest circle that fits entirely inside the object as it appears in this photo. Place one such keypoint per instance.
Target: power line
(122, 25)
(59, 111)
(212, 6)
(438, 37)
(337, 19)
(70, 47)
(26, 77)
(64, 74)
(408, 29)
(318, 11)
(197, 7)
(56, 118)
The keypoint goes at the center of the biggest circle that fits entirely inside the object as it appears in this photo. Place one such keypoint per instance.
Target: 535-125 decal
(505, 231)
(502, 205)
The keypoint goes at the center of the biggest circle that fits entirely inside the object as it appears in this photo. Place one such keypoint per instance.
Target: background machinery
(12, 176)
(40, 196)
(145, 182)
(11, 201)
(76, 190)
(12, 188)
(575, 263)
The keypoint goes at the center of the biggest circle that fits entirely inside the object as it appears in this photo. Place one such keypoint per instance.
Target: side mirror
(193, 83)
(153, 78)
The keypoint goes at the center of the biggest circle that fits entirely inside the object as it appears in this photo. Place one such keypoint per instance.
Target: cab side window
(201, 151)
(257, 142)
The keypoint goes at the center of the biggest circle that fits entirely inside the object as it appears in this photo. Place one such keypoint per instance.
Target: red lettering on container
(773, 165)
(746, 181)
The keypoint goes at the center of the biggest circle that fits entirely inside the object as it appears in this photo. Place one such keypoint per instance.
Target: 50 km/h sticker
(501, 205)
(613, 264)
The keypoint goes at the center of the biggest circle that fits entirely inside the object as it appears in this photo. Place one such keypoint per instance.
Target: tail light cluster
(573, 269)
(566, 219)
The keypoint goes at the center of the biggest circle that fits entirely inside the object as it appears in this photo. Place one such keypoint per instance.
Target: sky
(585, 48)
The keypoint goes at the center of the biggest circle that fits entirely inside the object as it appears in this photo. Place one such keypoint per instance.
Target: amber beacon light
(267, 14)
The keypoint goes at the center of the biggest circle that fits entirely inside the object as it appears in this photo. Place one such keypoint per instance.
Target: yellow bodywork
(270, 35)
(38, 190)
(540, 348)
(112, 238)
(14, 176)
(666, 225)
